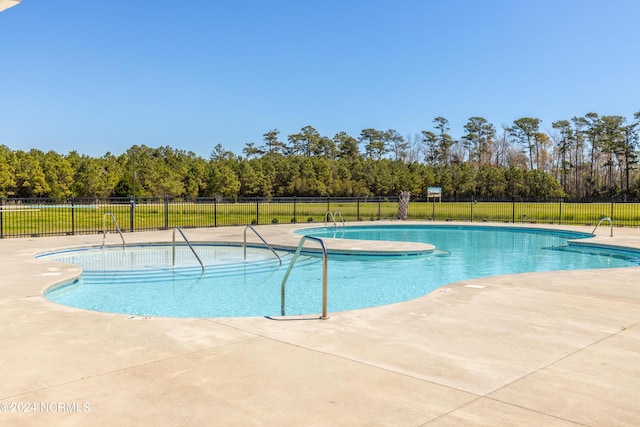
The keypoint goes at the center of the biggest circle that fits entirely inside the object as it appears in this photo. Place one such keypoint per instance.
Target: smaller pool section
(143, 280)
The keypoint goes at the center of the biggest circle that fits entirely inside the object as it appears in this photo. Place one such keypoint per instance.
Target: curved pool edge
(20, 253)
(350, 246)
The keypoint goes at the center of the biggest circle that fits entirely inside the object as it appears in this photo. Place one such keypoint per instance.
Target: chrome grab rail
(104, 228)
(332, 216)
(324, 275)
(188, 244)
(263, 241)
(600, 222)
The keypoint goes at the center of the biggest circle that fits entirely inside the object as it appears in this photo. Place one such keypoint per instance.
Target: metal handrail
(104, 229)
(188, 244)
(600, 222)
(263, 241)
(332, 216)
(324, 275)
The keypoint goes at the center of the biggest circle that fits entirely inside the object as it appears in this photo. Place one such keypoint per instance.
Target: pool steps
(154, 273)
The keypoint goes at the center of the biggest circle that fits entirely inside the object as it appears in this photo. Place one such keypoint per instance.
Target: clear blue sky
(99, 76)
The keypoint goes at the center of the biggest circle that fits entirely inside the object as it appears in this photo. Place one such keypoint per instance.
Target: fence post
(132, 207)
(513, 210)
(215, 211)
(73, 216)
(166, 212)
(433, 209)
(612, 210)
(295, 221)
(1, 212)
(357, 208)
(473, 201)
(560, 212)
(257, 210)
(379, 199)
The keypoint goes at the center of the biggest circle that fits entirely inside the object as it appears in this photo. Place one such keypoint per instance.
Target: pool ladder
(601, 221)
(188, 244)
(332, 217)
(104, 228)
(324, 275)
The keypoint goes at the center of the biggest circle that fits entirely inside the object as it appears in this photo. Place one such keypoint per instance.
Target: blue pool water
(141, 280)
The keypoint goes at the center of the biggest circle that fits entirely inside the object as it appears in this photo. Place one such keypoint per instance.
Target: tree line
(589, 156)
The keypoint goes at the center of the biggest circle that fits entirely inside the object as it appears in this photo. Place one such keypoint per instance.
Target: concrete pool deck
(552, 349)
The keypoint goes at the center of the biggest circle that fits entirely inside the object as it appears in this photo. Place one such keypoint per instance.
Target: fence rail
(54, 217)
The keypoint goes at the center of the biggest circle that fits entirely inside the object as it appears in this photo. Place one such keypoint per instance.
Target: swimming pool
(141, 280)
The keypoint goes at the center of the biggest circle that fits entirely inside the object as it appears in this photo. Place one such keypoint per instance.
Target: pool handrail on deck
(104, 229)
(188, 244)
(324, 275)
(333, 216)
(600, 222)
(244, 245)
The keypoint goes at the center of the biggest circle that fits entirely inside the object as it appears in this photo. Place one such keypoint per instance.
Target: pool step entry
(158, 272)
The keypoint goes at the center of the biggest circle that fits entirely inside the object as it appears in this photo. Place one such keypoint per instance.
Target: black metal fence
(50, 217)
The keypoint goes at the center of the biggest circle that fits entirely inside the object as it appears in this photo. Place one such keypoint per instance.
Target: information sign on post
(435, 192)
